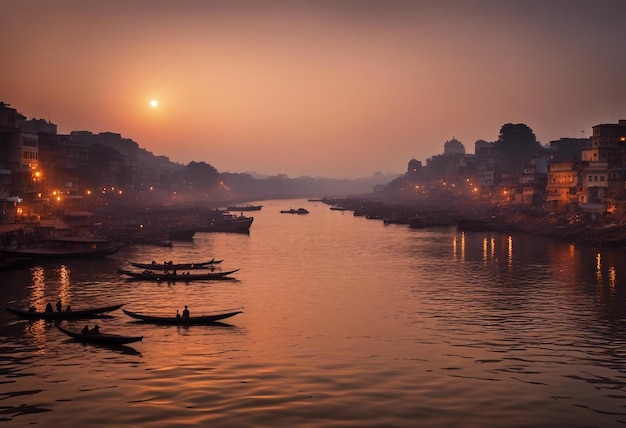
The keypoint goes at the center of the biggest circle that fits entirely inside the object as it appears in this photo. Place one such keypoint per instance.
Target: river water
(346, 322)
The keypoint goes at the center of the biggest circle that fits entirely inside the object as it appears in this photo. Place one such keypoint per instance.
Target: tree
(201, 175)
(516, 144)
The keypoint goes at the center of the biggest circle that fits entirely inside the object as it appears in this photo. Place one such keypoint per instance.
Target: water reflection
(351, 316)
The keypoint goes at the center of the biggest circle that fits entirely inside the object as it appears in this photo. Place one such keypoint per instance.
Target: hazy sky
(323, 88)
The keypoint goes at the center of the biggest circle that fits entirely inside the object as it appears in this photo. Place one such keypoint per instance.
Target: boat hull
(196, 320)
(63, 315)
(101, 338)
(175, 266)
(162, 276)
(58, 252)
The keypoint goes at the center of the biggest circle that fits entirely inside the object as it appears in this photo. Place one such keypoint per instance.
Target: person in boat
(177, 314)
(95, 330)
(68, 309)
(85, 330)
(32, 308)
(59, 306)
(49, 308)
(186, 312)
(153, 262)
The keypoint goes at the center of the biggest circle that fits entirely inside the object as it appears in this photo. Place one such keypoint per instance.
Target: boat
(192, 320)
(182, 234)
(14, 262)
(172, 276)
(175, 266)
(295, 211)
(244, 208)
(101, 338)
(69, 246)
(63, 315)
(220, 221)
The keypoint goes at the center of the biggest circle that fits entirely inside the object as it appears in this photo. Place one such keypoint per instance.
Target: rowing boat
(170, 276)
(175, 266)
(62, 315)
(101, 338)
(192, 320)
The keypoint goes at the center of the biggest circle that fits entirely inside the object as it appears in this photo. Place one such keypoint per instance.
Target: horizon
(317, 89)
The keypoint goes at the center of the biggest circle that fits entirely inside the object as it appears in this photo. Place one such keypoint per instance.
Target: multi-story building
(564, 183)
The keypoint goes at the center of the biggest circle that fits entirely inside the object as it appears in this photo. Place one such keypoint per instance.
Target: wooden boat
(295, 211)
(192, 320)
(63, 315)
(244, 207)
(232, 224)
(170, 276)
(14, 262)
(101, 338)
(175, 266)
(66, 247)
(182, 234)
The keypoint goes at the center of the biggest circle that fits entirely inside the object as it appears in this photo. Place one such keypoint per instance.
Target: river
(346, 322)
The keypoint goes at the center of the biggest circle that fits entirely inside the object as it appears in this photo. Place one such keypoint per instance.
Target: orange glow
(335, 89)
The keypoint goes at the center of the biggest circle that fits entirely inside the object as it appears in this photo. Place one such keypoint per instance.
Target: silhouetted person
(185, 312)
(95, 330)
(85, 330)
(49, 308)
(59, 306)
(32, 308)
(177, 314)
(68, 309)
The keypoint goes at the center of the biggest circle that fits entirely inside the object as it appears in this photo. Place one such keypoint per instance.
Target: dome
(453, 147)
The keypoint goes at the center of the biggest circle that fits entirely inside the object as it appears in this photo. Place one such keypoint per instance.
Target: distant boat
(220, 221)
(336, 208)
(244, 208)
(72, 247)
(295, 211)
(183, 234)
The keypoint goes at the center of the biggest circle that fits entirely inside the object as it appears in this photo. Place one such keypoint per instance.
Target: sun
(154, 103)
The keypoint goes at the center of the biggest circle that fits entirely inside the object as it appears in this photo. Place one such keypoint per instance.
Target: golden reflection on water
(348, 331)
(64, 285)
(38, 288)
(485, 249)
(510, 251)
(37, 329)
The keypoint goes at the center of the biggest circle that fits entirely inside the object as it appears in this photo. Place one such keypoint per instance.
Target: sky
(324, 88)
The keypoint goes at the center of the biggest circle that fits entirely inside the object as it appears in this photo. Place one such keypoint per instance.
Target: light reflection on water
(346, 322)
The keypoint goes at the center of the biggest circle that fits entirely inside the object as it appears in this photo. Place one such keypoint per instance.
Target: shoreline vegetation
(571, 226)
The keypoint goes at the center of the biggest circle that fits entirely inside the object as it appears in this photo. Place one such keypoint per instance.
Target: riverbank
(573, 226)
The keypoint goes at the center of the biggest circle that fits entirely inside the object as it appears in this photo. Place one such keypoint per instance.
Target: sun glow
(154, 103)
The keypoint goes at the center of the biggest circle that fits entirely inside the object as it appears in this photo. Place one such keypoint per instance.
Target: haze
(319, 88)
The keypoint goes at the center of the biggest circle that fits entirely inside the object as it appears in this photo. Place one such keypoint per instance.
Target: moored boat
(14, 262)
(192, 320)
(72, 247)
(64, 314)
(101, 338)
(219, 221)
(175, 266)
(295, 211)
(244, 208)
(172, 276)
